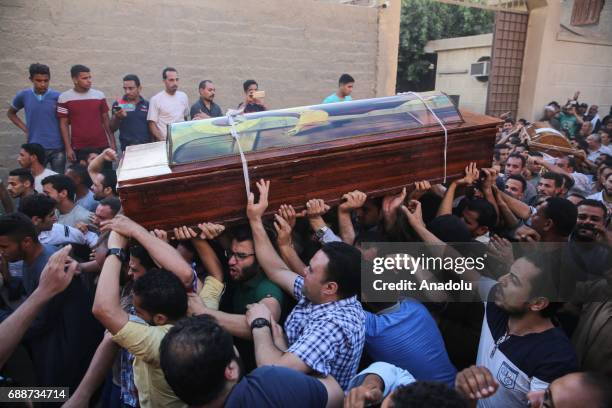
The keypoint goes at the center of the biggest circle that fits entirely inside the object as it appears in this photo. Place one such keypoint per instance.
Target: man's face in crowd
(103, 213)
(40, 83)
(11, 250)
(514, 188)
(347, 89)
(585, 129)
(507, 127)
(97, 187)
(208, 92)
(53, 193)
(503, 155)
(171, 82)
(514, 166)
(593, 142)
(539, 221)
(131, 90)
(563, 163)
(242, 262)
(249, 92)
(471, 220)
(605, 138)
(16, 187)
(589, 223)
(565, 392)
(607, 185)
(142, 313)
(83, 80)
(315, 278)
(368, 215)
(593, 109)
(546, 187)
(25, 159)
(514, 290)
(135, 269)
(46, 223)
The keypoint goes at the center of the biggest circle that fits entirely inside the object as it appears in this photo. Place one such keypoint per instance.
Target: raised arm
(107, 303)
(275, 269)
(162, 253)
(471, 175)
(97, 164)
(55, 277)
(284, 222)
(352, 201)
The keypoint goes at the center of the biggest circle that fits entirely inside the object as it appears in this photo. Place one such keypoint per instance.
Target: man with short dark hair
(205, 108)
(84, 196)
(550, 184)
(168, 106)
(130, 114)
(326, 329)
(345, 88)
(62, 189)
(508, 125)
(83, 115)
(203, 369)
(514, 166)
(41, 210)
(65, 335)
(20, 184)
(104, 184)
(32, 157)
(605, 195)
(251, 103)
(515, 186)
(590, 254)
(583, 389)
(42, 126)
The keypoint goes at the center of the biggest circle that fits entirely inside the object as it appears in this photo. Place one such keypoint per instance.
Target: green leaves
(425, 20)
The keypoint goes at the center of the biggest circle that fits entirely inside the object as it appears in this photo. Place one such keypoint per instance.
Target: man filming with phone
(253, 97)
(130, 114)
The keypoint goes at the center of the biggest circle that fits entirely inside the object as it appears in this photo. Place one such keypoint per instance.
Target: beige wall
(554, 69)
(452, 72)
(296, 50)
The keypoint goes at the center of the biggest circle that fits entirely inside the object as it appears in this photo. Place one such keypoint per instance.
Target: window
(586, 12)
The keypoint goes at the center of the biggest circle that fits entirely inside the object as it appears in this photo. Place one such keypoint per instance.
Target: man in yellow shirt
(160, 299)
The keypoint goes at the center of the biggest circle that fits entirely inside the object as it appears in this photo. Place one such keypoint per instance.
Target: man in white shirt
(596, 148)
(41, 210)
(32, 157)
(168, 106)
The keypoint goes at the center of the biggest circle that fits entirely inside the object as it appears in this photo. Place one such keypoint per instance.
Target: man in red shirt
(83, 115)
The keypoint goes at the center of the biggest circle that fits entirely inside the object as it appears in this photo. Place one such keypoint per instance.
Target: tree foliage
(425, 20)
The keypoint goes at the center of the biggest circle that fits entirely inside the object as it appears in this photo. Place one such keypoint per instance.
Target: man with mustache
(168, 106)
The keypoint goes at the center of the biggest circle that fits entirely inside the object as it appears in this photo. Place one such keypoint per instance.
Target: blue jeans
(56, 160)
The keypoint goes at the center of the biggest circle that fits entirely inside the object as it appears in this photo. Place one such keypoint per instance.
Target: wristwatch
(321, 231)
(260, 322)
(118, 252)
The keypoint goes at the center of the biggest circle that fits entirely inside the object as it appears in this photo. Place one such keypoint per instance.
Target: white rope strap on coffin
(231, 114)
(441, 124)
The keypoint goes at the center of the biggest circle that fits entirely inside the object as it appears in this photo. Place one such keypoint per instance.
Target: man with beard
(250, 285)
(205, 108)
(514, 166)
(520, 348)
(168, 106)
(605, 195)
(20, 184)
(592, 256)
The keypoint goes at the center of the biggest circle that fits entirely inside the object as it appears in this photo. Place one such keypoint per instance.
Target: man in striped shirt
(83, 115)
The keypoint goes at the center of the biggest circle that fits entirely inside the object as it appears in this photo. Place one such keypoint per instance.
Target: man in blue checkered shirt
(326, 329)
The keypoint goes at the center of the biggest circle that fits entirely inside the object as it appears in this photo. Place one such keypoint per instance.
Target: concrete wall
(296, 50)
(452, 71)
(556, 64)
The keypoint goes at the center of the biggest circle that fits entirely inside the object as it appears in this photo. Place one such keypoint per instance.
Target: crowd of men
(271, 313)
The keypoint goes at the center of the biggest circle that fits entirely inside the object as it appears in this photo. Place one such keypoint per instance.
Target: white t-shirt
(38, 179)
(165, 109)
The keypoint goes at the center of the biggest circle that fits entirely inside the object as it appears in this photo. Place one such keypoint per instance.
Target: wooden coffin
(322, 151)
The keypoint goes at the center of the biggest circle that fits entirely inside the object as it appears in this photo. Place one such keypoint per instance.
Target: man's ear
(330, 288)
(36, 220)
(107, 191)
(538, 304)
(232, 371)
(160, 319)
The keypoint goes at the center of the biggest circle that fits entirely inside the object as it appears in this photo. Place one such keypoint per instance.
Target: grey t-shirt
(31, 273)
(78, 214)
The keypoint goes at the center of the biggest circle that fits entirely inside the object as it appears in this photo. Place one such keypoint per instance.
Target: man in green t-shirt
(569, 120)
